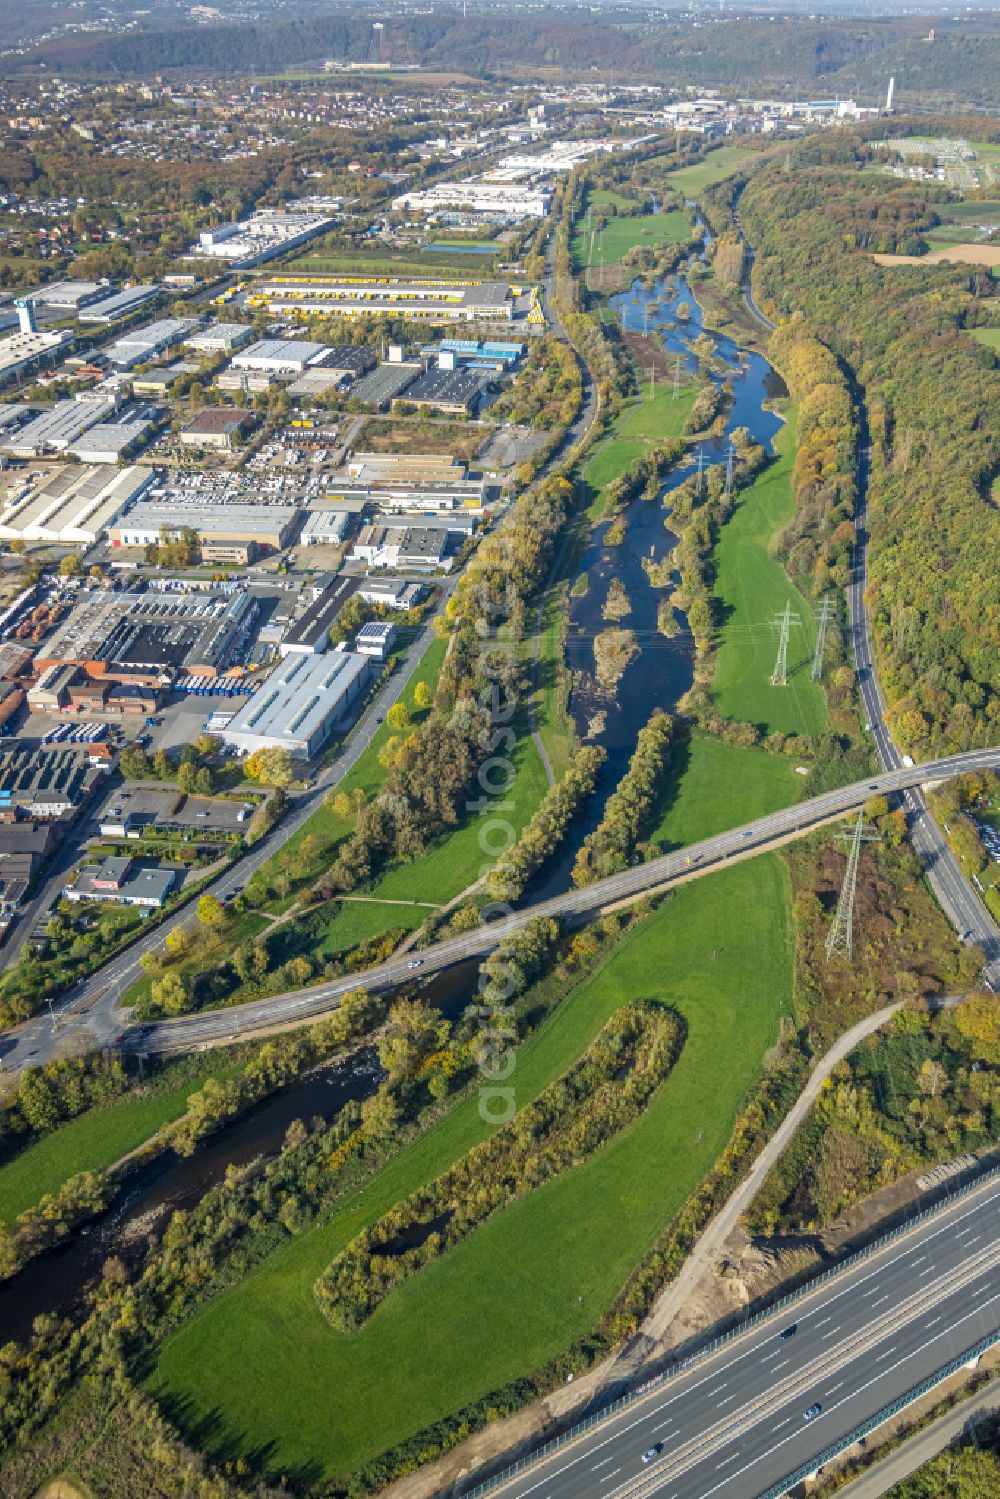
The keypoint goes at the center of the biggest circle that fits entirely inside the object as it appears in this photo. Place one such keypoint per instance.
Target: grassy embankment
(538, 1275)
(96, 1139)
(753, 589)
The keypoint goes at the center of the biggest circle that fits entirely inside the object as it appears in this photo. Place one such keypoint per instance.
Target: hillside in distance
(784, 56)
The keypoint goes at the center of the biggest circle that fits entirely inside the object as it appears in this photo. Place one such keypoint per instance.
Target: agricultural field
(754, 588)
(553, 1261)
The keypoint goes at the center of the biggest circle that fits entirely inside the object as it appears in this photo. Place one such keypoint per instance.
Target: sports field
(263, 1369)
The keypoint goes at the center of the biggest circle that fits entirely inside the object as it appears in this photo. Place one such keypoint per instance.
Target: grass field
(265, 1372)
(620, 235)
(715, 786)
(981, 212)
(988, 336)
(753, 588)
(717, 164)
(96, 1139)
(645, 424)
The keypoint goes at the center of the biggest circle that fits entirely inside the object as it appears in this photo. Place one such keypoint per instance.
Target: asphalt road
(91, 1010)
(100, 1020)
(958, 897)
(733, 1422)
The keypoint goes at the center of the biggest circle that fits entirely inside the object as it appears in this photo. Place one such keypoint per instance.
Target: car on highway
(812, 1412)
(747, 834)
(789, 1331)
(417, 963)
(652, 1453)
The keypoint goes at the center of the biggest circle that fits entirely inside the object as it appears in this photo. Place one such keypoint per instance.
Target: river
(54, 1281)
(658, 677)
(662, 671)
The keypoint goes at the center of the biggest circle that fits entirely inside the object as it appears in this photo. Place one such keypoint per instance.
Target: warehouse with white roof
(72, 506)
(300, 705)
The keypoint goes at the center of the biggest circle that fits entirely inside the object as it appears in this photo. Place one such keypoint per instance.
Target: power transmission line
(729, 470)
(779, 676)
(825, 616)
(840, 938)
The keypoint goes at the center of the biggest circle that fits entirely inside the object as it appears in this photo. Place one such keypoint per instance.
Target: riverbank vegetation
(602, 1094)
(614, 843)
(513, 871)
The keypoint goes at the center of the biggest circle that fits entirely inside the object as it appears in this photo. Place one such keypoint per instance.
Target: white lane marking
(881, 1299)
(946, 1226)
(603, 1463)
(851, 1395)
(933, 1322)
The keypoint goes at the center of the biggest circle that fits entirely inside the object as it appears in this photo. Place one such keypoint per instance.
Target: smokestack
(888, 97)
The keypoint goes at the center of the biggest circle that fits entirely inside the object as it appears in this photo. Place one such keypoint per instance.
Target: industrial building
(220, 338)
(325, 528)
(28, 349)
(69, 296)
(383, 385)
(281, 356)
(264, 525)
(43, 784)
(71, 506)
(24, 847)
(508, 200)
(310, 634)
(117, 305)
(217, 427)
(124, 881)
(109, 442)
(263, 235)
(420, 549)
(375, 639)
(433, 301)
(451, 390)
(149, 639)
(300, 705)
(57, 428)
(393, 593)
(143, 344)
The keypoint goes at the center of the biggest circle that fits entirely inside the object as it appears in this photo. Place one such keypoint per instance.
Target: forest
(929, 392)
(830, 55)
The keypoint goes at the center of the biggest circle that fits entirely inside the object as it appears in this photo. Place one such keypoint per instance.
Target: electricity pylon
(701, 471)
(677, 377)
(825, 616)
(779, 676)
(729, 470)
(840, 938)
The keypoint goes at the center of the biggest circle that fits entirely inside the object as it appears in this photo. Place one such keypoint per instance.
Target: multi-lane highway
(733, 1422)
(94, 1007)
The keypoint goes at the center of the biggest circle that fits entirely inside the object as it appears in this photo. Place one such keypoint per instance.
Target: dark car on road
(812, 1412)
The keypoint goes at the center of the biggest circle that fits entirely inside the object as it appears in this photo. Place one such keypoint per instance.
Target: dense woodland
(830, 55)
(933, 418)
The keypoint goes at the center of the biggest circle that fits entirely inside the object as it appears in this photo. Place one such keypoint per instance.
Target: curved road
(955, 892)
(93, 1008)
